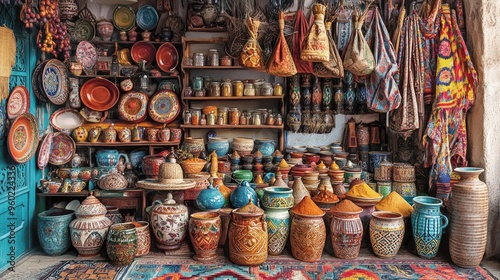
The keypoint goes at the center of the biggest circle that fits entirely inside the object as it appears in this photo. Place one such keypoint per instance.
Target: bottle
(141, 79)
(114, 62)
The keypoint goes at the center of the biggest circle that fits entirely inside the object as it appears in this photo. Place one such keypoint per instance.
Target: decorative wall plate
(123, 18)
(164, 106)
(99, 94)
(93, 116)
(62, 148)
(86, 54)
(66, 119)
(143, 50)
(19, 102)
(147, 17)
(84, 30)
(35, 81)
(133, 106)
(167, 57)
(44, 151)
(23, 138)
(55, 81)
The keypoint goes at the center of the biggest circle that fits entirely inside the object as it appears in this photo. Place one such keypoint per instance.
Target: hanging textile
(281, 62)
(445, 139)
(358, 58)
(333, 68)
(343, 26)
(315, 45)
(251, 54)
(397, 32)
(406, 118)
(7, 59)
(301, 27)
(382, 84)
(429, 27)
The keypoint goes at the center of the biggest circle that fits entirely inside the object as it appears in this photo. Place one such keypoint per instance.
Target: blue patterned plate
(147, 17)
(164, 106)
(55, 81)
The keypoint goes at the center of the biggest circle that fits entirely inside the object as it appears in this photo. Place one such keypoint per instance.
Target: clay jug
(121, 244)
(427, 225)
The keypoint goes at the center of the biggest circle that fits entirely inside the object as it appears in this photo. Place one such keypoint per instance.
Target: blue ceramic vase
(266, 146)
(276, 202)
(53, 231)
(210, 199)
(219, 145)
(427, 225)
(242, 194)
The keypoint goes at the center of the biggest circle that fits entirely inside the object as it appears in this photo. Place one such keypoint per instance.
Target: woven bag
(251, 54)
(332, 68)
(281, 62)
(358, 58)
(315, 47)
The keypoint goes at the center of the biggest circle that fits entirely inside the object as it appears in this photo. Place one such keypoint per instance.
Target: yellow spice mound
(394, 202)
(362, 190)
(283, 163)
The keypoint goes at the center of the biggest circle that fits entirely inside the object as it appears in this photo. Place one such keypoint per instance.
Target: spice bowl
(364, 201)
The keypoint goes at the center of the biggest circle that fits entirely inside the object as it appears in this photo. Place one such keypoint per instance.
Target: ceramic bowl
(240, 175)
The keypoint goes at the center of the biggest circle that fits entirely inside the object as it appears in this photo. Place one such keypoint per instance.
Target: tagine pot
(169, 222)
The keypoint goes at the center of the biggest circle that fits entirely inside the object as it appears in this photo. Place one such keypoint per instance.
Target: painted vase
(137, 133)
(205, 233)
(164, 134)
(468, 224)
(152, 134)
(125, 135)
(307, 237)
(94, 134)
(53, 231)
(90, 228)
(242, 194)
(104, 30)
(387, 230)
(276, 202)
(169, 222)
(346, 231)
(248, 235)
(376, 157)
(143, 238)
(349, 94)
(113, 213)
(266, 146)
(427, 225)
(305, 92)
(121, 244)
(219, 145)
(109, 134)
(210, 199)
(109, 158)
(151, 166)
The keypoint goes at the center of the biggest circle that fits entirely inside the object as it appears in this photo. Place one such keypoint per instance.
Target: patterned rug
(275, 268)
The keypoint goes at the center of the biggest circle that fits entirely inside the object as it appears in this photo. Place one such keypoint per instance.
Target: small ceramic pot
(164, 134)
(77, 185)
(126, 85)
(76, 68)
(175, 134)
(152, 134)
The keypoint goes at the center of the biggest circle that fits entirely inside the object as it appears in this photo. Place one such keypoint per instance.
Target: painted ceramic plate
(86, 54)
(123, 18)
(19, 102)
(133, 107)
(164, 106)
(83, 30)
(55, 81)
(99, 94)
(66, 119)
(23, 138)
(143, 51)
(36, 82)
(167, 57)
(147, 17)
(93, 116)
(62, 149)
(44, 151)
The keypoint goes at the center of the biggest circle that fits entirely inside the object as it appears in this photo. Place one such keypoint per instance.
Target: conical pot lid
(91, 206)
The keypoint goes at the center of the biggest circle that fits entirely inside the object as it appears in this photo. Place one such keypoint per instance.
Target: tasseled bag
(281, 62)
(332, 68)
(315, 47)
(251, 54)
(358, 58)
(301, 27)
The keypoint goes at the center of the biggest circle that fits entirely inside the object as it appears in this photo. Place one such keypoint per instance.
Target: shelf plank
(69, 194)
(260, 97)
(227, 126)
(127, 144)
(204, 40)
(233, 67)
(100, 42)
(109, 76)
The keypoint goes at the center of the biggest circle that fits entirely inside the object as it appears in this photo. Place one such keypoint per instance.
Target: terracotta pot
(205, 233)
(121, 244)
(346, 232)
(387, 230)
(143, 238)
(307, 237)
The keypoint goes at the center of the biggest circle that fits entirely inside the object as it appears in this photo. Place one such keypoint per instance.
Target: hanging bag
(332, 68)
(300, 30)
(315, 47)
(251, 54)
(358, 58)
(281, 62)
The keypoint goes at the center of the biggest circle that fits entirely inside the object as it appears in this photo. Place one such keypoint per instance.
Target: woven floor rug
(273, 268)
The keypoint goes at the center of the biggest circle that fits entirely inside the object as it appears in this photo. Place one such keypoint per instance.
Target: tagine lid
(250, 209)
(91, 206)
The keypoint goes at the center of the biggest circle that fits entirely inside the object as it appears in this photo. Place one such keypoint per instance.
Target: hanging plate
(36, 81)
(19, 102)
(66, 119)
(123, 18)
(133, 107)
(86, 54)
(62, 149)
(44, 151)
(164, 106)
(83, 30)
(23, 138)
(143, 51)
(99, 94)
(147, 17)
(167, 57)
(55, 81)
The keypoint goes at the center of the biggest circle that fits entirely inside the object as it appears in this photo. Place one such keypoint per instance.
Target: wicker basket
(189, 166)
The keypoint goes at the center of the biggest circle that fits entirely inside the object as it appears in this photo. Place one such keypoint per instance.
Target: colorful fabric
(445, 139)
(358, 57)
(300, 30)
(344, 27)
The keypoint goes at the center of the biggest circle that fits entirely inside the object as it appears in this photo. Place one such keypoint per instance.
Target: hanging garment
(251, 54)
(333, 68)
(382, 84)
(315, 45)
(358, 58)
(301, 27)
(445, 139)
(396, 36)
(281, 61)
(406, 118)
(343, 27)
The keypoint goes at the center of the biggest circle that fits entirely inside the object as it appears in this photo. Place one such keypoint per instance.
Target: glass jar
(223, 112)
(256, 118)
(195, 116)
(197, 83)
(188, 92)
(187, 117)
(213, 57)
(243, 118)
(207, 85)
(203, 120)
(211, 118)
(234, 116)
(198, 59)
(270, 119)
(278, 89)
(238, 87)
(266, 89)
(258, 85)
(227, 88)
(215, 89)
(249, 90)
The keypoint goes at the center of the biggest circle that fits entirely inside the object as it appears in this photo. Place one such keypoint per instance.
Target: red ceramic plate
(143, 51)
(23, 138)
(133, 107)
(44, 151)
(164, 106)
(19, 102)
(167, 57)
(99, 94)
(62, 149)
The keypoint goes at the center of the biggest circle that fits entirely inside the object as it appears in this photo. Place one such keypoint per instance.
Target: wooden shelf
(61, 194)
(112, 42)
(127, 144)
(227, 126)
(214, 40)
(261, 97)
(234, 67)
(109, 76)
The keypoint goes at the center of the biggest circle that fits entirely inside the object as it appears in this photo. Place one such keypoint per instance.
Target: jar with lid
(223, 112)
(234, 116)
(238, 87)
(278, 120)
(249, 90)
(198, 59)
(203, 120)
(258, 85)
(207, 85)
(270, 119)
(256, 118)
(188, 91)
(211, 118)
(226, 61)
(266, 89)
(227, 88)
(243, 118)
(215, 89)
(213, 57)
(278, 89)
(187, 117)
(195, 116)
(197, 83)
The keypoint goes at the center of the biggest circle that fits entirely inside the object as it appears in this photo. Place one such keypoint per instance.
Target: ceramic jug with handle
(109, 158)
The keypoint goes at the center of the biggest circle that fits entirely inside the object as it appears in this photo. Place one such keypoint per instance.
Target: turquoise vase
(53, 231)
(427, 225)
(210, 199)
(242, 194)
(276, 202)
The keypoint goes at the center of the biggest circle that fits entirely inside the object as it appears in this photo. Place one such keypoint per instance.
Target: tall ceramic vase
(469, 218)
(53, 231)
(346, 232)
(427, 225)
(276, 202)
(307, 237)
(121, 244)
(387, 230)
(205, 232)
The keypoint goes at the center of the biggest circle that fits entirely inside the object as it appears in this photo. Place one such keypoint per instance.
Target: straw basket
(7, 59)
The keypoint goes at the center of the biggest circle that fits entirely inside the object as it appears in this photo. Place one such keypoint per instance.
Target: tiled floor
(35, 264)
